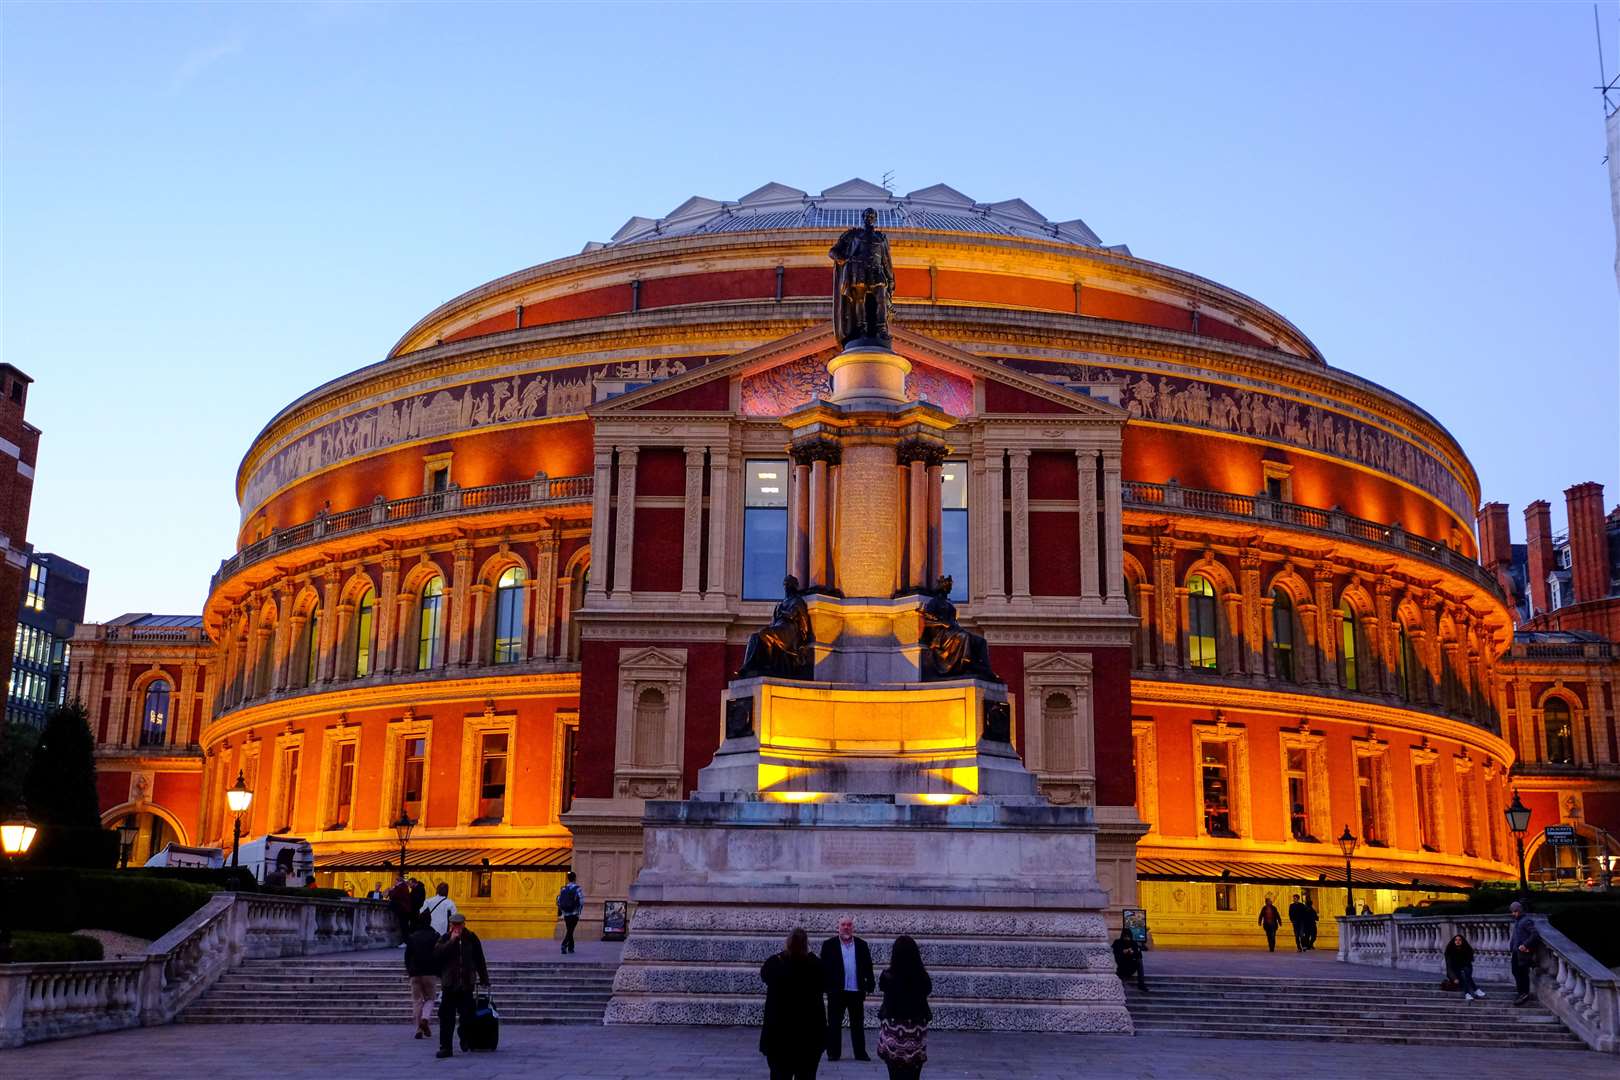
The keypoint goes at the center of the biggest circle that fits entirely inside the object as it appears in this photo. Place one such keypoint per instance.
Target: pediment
(785, 374)
(1057, 664)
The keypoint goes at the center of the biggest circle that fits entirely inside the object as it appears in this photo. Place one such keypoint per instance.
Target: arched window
(647, 739)
(1201, 623)
(1560, 732)
(362, 635)
(312, 645)
(1057, 734)
(1282, 635)
(509, 616)
(576, 600)
(1348, 675)
(427, 624)
(155, 715)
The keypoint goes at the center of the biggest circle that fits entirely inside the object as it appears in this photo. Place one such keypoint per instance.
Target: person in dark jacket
(1296, 919)
(904, 1015)
(1270, 919)
(1308, 917)
(1128, 959)
(1460, 967)
(794, 1032)
(460, 959)
(423, 972)
(1523, 941)
(399, 901)
(846, 965)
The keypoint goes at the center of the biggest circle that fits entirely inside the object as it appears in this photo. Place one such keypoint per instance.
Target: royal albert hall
(496, 582)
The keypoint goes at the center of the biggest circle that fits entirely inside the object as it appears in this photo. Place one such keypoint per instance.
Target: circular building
(494, 584)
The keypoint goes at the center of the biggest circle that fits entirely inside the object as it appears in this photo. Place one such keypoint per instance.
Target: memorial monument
(867, 766)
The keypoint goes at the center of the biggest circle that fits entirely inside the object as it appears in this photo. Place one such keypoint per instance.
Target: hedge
(38, 947)
(65, 900)
(1589, 919)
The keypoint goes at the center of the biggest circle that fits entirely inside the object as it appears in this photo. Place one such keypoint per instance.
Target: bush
(38, 947)
(65, 900)
(1589, 919)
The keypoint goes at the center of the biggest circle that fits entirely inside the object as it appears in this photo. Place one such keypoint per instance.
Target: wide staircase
(335, 991)
(1342, 1010)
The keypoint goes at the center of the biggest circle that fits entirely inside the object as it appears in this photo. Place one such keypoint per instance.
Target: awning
(386, 858)
(1303, 874)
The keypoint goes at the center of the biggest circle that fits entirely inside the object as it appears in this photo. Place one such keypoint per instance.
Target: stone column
(482, 635)
(1165, 594)
(1256, 626)
(601, 506)
(1146, 635)
(565, 615)
(936, 521)
(406, 638)
(117, 730)
(917, 524)
(1090, 564)
(868, 496)
(186, 706)
(1233, 653)
(386, 613)
(1529, 745)
(1020, 524)
(1384, 658)
(800, 521)
(993, 515)
(546, 571)
(281, 648)
(460, 603)
(1183, 623)
(719, 519)
(624, 533)
(263, 658)
(1113, 524)
(820, 511)
(692, 525)
(1327, 650)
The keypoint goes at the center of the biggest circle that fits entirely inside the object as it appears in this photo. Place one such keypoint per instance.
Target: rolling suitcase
(483, 1031)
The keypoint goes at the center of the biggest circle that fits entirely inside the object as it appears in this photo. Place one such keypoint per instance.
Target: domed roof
(776, 206)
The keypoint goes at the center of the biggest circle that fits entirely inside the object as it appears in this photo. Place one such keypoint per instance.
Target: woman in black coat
(794, 1034)
(903, 1041)
(1460, 966)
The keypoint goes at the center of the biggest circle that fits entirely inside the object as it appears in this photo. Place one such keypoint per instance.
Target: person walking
(1296, 919)
(1308, 917)
(794, 1032)
(570, 905)
(418, 896)
(399, 901)
(1523, 941)
(423, 972)
(1128, 959)
(1460, 967)
(904, 1015)
(846, 965)
(1270, 919)
(460, 959)
(439, 909)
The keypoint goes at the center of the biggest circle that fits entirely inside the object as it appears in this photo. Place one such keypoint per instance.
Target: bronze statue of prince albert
(863, 285)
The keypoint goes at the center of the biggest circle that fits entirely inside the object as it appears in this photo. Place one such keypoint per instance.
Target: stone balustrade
(39, 1002)
(1583, 993)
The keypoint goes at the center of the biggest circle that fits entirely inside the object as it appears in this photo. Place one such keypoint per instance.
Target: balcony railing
(1563, 650)
(542, 491)
(1334, 522)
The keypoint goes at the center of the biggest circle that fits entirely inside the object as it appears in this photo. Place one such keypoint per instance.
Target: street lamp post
(1518, 819)
(238, 797)
(1347, 844)
(16, 837)
(402, 829)
(126, 841)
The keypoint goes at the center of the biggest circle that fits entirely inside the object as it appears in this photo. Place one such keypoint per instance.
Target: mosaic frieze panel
(458, 408)
(782, 389)
(1195, 403)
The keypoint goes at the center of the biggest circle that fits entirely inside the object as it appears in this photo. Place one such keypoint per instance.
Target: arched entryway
(152, 832)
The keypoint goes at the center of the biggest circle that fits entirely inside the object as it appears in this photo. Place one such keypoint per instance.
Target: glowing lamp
(238, 797)
(17, 836)
(1347, 843)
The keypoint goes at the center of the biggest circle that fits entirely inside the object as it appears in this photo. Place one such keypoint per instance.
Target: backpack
(571, 901)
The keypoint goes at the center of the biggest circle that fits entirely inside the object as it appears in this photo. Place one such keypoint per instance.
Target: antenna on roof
(1608, 85)
(888, 177)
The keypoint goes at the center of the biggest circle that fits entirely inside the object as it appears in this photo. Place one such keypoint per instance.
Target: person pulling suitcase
(460, 956)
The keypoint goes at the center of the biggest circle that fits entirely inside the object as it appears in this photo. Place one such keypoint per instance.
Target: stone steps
(335, 992)
(1352, 1011)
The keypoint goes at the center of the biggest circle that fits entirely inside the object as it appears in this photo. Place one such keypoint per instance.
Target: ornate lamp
(238, 797)
(16, 837)
(127, 831)
(402, 829)
(1518, 820)
(1347, 844)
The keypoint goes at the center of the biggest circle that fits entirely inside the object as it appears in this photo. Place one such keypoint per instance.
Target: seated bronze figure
(949, 651)
(785, 648)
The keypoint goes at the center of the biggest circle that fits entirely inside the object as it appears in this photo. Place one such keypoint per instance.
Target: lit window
(287, 795)
(36, 587)
(427, 633)
(953, 526)
(412, 773)
(492, 778)
(1368, 798)
(1201, 651)
(1299, 794)
(343, 800)
(509, 616)
(765, 529)
(1225, 897)
(155, 716)
(362, 635)
(1347, 648)
(1282, 635)
(1560, 732)
(1217, 789)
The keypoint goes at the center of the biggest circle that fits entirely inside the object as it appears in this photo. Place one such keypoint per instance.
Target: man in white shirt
(846, 966)
(439, 909)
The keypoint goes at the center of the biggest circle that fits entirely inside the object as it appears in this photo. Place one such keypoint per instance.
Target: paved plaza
(593, 1053)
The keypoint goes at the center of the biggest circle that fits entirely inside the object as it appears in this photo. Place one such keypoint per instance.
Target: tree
(17, 742)
(61, 784)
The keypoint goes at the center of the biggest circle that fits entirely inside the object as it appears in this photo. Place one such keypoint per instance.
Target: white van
(196, 858)
(278, 860)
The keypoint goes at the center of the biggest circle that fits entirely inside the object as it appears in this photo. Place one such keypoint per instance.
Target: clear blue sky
(208, 210)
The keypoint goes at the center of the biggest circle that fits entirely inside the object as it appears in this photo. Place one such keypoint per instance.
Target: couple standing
(797, 1029)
